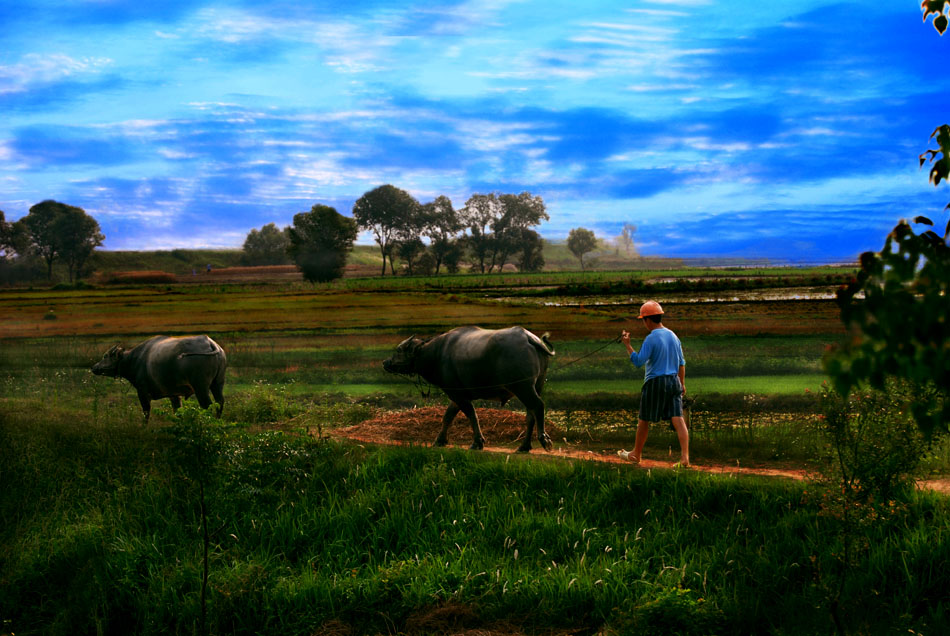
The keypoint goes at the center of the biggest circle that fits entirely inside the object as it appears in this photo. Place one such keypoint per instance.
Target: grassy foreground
(105, 521)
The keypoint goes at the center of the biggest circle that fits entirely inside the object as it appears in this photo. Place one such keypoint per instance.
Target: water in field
(823, 292)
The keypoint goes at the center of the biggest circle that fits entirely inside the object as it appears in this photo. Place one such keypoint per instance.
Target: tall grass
(103, 533)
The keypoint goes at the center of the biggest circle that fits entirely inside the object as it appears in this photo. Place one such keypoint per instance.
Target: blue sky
(786, 130)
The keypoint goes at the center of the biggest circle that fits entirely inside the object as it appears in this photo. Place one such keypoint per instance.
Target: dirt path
(418, 427)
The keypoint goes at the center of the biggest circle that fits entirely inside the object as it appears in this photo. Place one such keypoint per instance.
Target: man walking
(664, 383)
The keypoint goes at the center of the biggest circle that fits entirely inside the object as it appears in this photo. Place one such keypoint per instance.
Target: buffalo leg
(176, 402)
(534, 406)
(217, 390)
(146, 401)
(478, 442)
(529, 429)
(204, 400)
(450, 414)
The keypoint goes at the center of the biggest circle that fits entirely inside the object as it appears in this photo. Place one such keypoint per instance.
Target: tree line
(489, 232)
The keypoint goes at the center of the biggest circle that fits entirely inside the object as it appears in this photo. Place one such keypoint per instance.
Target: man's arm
(681, 372)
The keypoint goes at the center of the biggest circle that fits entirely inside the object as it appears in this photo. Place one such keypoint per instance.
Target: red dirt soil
(419, 427)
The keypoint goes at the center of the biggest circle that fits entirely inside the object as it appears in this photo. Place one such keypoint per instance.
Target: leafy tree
(387, 211)
(267, 246)
(531, 257)
(57, 230)
(79, 236)
(581, 241)
(897, 306)
(481, 211)
(409, 251)
(520, 212)
(496, 224)
(320, 241)
(6, 238)
(441, 226)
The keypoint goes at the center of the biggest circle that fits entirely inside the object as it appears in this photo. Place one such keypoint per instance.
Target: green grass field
(107, 523)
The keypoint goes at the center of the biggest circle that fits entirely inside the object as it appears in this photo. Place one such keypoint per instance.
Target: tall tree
(267, 246)
(386, 211)
(581, 241)
(531, 257)
(496, 224)
(480, 213)
(57, 230)
(519, 213)
(441, 227)
(320, 241)
(79, 236)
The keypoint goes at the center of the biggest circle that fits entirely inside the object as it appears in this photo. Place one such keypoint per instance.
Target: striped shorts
(661, 398)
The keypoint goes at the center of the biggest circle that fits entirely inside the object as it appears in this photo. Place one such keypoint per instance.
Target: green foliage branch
(898, 304)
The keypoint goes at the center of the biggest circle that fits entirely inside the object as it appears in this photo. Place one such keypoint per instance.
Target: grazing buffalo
(470, 363)
(168, 367)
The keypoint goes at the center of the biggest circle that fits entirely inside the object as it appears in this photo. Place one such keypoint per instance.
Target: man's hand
(625, 337)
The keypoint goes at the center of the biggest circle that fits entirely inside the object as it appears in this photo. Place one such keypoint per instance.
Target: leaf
(923, 220)
(940, 23)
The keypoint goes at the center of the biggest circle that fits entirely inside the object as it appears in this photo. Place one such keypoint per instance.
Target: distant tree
(581, 241)
(267, 246)
(531, 257)
(320, 241)
(481, 211)
(387, 211)
(441, 226)
(79, 236)
(626, 236)
(409, 251)
(519, 213)
(56, 230)
(6, 238)
(496, 224)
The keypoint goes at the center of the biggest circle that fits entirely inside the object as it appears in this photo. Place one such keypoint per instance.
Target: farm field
(310, 529)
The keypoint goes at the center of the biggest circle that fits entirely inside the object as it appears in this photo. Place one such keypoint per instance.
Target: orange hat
(650, 308)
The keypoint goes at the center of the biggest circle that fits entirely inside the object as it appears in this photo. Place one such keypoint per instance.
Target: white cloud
(36, 68)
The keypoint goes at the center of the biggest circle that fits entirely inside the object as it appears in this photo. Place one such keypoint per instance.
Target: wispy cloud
(49, 68)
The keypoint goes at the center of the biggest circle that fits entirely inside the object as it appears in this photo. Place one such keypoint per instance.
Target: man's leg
(679, 424)
(643, 429)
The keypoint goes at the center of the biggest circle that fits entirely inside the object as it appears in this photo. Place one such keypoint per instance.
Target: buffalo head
(403, 359)
(109, 365)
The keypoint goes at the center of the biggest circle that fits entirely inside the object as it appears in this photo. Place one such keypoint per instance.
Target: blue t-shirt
(661, 352)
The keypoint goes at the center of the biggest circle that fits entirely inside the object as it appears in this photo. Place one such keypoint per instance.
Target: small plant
(672, 611)
(199, 442)
(874, 444)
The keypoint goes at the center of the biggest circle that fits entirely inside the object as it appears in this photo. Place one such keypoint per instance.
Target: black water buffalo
(169, 367)
(470, 363)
